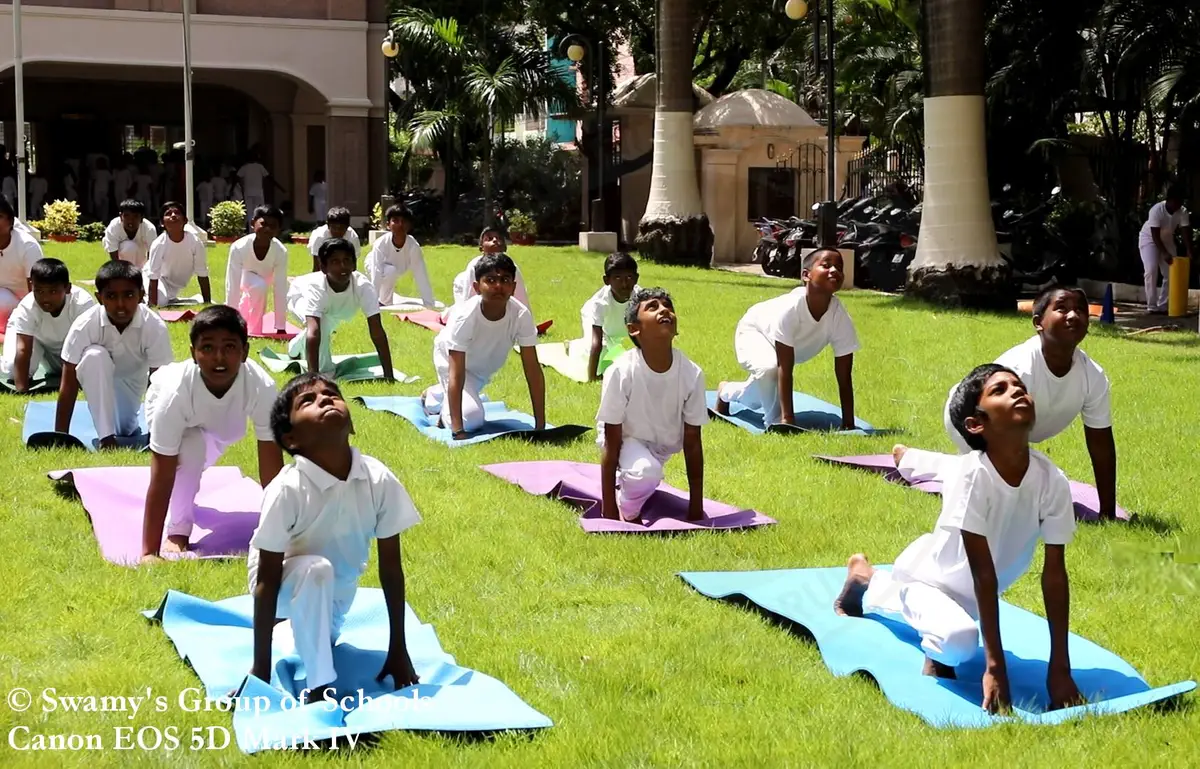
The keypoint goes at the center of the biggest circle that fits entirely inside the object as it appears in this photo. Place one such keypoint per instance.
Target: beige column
(348, 173)
(720, 190)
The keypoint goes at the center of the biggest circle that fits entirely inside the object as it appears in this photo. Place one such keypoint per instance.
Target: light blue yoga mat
(812, 414)
(38, 430)
(890, 653)
(217, 640)
(500, 421)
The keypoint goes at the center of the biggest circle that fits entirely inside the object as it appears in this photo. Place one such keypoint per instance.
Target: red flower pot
(300, 239)
(225, 239)
(521, 239)
(64, 238)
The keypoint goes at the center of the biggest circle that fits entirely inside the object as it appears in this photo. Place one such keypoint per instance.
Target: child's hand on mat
(400, 668)
(539, 425)
(610, 512)
(996, 698)
(1063, 691)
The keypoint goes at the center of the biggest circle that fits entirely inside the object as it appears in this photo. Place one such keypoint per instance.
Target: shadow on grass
(1153, 523)
(1174, 338)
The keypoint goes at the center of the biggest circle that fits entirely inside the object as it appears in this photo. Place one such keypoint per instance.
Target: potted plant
(521, 228)
(228, 221)
(61, 221)
(301, 237)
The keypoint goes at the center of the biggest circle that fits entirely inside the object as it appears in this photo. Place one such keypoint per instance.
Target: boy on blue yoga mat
(112, 350)
(603, 315)
(775, 335)
(652, 406)
(474, 345)
(39, 325)
(998, 500)
(1064, 383)
(312, 543)
(196, 409)
(327, 299)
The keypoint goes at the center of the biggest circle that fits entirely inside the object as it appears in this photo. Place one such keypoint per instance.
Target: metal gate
(808, 162)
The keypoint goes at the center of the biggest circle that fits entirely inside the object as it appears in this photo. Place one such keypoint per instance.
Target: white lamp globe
(390, 49)
(575, 53)
(796, 9)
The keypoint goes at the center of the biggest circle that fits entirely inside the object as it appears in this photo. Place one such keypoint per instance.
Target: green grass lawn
(597, 632)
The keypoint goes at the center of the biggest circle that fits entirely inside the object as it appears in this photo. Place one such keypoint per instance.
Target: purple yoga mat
(578, 484)
(1085, 497)
(115, 498)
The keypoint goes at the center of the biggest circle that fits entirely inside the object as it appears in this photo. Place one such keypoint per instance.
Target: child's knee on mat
(957, 647)
(97, 359)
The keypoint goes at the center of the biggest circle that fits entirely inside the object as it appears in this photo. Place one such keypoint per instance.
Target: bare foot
(849, 601)
(176, 543)
(938, 670)
(316, 694)
(898, 452)
(722, 406)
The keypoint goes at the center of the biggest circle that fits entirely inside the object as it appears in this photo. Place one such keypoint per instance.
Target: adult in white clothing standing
(1157, 246)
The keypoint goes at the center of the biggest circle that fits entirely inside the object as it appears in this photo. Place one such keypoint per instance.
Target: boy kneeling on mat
(652, 406)
(996, 503)
(312, 543)
(475, 344)
(39, 325)
(775, 335)
(196, 409)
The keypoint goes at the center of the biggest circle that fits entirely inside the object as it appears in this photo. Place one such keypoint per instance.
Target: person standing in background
(1157, 246)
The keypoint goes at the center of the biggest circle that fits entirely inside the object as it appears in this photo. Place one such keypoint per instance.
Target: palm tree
(674, 228)
(958, 261)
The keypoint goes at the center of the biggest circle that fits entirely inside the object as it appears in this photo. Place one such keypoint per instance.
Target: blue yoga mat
(500, 421)
(38, 430)
(217, 640)
(890, 653)
(812, 414)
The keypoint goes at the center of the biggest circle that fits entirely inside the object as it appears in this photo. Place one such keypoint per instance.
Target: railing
(876, 167)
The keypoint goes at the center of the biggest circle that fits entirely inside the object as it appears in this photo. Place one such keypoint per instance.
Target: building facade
(302, 81)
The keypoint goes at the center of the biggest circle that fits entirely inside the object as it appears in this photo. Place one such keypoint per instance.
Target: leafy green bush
(228, 219)
(520, 223)
(542, 181)
(92, 231)
(61, 218)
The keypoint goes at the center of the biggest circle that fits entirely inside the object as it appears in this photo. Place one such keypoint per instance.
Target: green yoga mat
(558, 356)
(346, 368)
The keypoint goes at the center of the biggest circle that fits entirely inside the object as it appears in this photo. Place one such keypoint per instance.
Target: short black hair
(338, 215)
(635, 302)
(132, 206)
(493, 230)
(335, 244)
(618, 262)
(281, 411)
(267, 212)
(397, 211)
(811, 259)
(1043, 300)
(964, 401)
(117, 269)
(49, 271)
(498, 262)
(6, 209)
(219, 317)
(1176, 192)
(172, 204)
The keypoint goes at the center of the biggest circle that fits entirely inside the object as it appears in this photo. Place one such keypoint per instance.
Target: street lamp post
(390, 49)
(827, 212)
(576, 53)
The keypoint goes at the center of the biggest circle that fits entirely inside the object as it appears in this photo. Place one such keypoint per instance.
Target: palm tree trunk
(958, 261)
(674, 228)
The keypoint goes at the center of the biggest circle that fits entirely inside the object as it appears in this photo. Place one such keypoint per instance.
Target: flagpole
(19, 75)
(188, 148)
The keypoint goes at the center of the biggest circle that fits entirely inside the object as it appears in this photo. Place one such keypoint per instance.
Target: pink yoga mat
(1085, 497)
(432, 320)
(578, 484)
(268, 332)
(227, 510)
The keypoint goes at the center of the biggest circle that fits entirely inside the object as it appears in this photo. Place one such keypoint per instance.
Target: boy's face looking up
(1006, 406)
(656, 321)
(337, 230)
(826, 273)
(621, 282)
(220, 355)
(51, 297)
(496, 287)
(491, 243)
(131, 221)
(120, 299)
(173, 220)
(1065, 319)
(319, 416)
(338, 268)
(398, 226)
(266, 227)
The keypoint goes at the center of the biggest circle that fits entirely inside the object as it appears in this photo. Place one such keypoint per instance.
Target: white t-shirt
(605, 311)
(101, 178)
(321, 234)
(122, 181)
(17, 260)
(976, 499)
(319, 193)
(311, 297)
(271, 268)
(307, 511)
(220, 189)
(408, 257)
(178, 399)
(787, 319)
(652, 407)
(173, 264)
(114, 236)
(252, 176)
(143, 345)
(1166, 222)
(47, 330)
(464, 284)
(485, 342)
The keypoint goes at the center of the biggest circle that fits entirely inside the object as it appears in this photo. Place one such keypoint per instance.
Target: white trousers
(756, 354)
(639, 472)
(1154, 263)
(129, 251)
(40, 356)
(9, 300)
(252, 301)
(100, 204)
(198, 451)
(436, 402)
(385, 282)
(252, 202)
(306, 598)
(949, 634)
(113, 401)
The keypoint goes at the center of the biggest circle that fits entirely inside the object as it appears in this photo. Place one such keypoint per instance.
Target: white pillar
(188, 144)
(19, 85)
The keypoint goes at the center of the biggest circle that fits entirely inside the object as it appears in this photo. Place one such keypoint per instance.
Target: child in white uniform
(1000, 499)
(603, 315)
(196, 409)
(318, 194)
(252, 175)
(322, 301)
(111, 350)
(475, 344)
(652, 406)
(258, 261)
(39, 325)
(337, 225)
(775, 335)
(1156, 244)
(175, 256)
(313, 540)
(1064, 384)
(129, 236)
(395, 254)
(101, 184)
(490, 242)
(18, 253)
